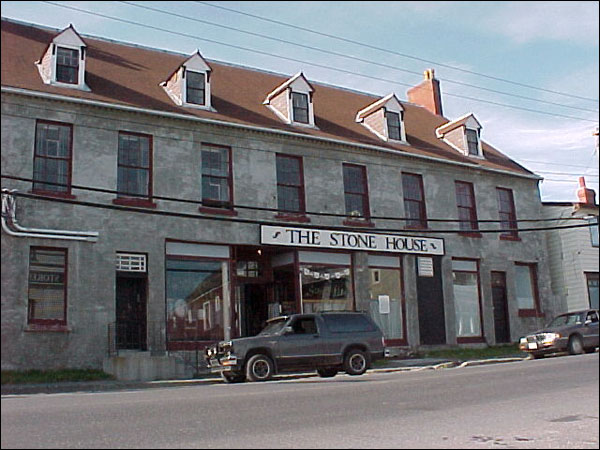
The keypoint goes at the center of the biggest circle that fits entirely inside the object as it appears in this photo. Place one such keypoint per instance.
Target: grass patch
(52, 376)
(463, 354)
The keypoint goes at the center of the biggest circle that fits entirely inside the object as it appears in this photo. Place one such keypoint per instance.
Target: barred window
(47, 296)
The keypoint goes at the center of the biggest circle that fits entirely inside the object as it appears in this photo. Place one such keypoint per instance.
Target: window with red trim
(526, 289)
(52, 157)
(414, 201)
(134, 171)
(47, 293)
(217, 183)
(465, 202)
(506, 211)
(356, 191)
(290, 184)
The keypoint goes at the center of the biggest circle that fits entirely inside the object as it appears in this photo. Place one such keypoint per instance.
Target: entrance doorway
(254, 308)
(501, 324)
(430, 298)
(131, 311)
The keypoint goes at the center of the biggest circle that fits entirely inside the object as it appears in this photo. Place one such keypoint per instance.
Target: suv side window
(347, 323)
(593, 316)
(305, 325)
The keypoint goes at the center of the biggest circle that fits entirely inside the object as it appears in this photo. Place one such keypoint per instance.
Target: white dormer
(63, 63)
(463, 134)
(189, 85)
(292, 101)
(385, 119)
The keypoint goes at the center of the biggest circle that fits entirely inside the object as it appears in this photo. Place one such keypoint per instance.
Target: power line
(306, 62)
(372, 47)
(278, 223)
(329, 52)
(264, 209)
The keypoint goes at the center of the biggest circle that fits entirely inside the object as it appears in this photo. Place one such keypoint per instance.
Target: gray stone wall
(176, 173)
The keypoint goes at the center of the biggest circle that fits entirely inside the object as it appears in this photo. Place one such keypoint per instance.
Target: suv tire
(233, 377)
(327, 372)
(356, 362)
(259, 368)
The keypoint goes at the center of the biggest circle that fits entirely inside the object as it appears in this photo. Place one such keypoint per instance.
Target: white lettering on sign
(347, 240)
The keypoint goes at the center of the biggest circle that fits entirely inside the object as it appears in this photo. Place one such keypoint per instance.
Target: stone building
(154, 202)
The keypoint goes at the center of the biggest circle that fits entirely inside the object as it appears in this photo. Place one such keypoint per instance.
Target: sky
(528, 71)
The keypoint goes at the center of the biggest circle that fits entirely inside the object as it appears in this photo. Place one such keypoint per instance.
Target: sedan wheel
(575, 345)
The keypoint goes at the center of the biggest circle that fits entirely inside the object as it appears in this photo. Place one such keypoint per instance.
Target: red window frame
(131, 198)
(299, 187)
(467, 208)
(412, 184)
(363, 194)
(507, 213)
(480, 338)
(536, 310)
(31, 320)
(40, 177)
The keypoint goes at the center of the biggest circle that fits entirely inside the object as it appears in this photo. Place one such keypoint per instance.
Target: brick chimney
(427, 94)
(585, 195)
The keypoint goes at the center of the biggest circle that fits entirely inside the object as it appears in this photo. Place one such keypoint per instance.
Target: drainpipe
(11, 226)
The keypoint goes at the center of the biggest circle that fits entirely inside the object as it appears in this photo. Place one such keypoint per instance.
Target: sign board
(349, 240)
(425, 267)
(384, 304)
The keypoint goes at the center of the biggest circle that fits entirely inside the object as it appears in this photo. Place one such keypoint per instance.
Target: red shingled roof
(124, 74)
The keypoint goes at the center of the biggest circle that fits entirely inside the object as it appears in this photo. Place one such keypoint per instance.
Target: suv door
(302, 347)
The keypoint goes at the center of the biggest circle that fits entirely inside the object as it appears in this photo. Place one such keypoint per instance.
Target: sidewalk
(388, 365)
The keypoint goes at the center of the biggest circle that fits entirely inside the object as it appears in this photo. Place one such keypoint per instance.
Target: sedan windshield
(567, 319)
(274, 326)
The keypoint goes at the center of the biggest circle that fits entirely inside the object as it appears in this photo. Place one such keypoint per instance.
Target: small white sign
(425, 266)
(384, 304)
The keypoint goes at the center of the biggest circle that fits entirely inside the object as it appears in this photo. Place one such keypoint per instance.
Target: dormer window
(385, 119)
(189, 85)
(463, 135)
(63, 63)
(393, 125)
(292, 101)
(195, 88)
(67, 65)
(300, 107)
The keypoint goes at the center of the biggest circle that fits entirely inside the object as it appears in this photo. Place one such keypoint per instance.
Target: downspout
(11, 226)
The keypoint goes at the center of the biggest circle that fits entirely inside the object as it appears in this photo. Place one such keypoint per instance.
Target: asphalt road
(548, 403)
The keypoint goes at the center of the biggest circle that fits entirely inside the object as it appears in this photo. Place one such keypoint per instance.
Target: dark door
(256, 308)
(131, 313)
(430, 298)
(501, 324)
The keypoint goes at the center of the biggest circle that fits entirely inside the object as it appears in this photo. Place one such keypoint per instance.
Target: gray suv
(326, 342)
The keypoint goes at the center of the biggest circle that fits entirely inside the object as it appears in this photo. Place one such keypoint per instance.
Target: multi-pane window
(393, 125)
(300, 107)
(67, 65)
(216, 176)
(526, 287)
(47, 294)
(506, 211)
(195, 88)
(52, 157)
(414, 201)
(472, 142)
(290, 184)
(592, 288)
(465, 202)
(355, 191)
(134, 171)
(467, 310)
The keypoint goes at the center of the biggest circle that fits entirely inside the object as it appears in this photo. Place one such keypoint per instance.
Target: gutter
(65, 98)
(12, 228)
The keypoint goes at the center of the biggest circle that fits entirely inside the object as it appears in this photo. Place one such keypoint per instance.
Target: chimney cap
(429, 74)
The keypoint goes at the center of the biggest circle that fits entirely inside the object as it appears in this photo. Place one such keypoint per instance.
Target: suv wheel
(575, 345)
(259, 368)
(327, 372)
(355, 362)
(233, 377)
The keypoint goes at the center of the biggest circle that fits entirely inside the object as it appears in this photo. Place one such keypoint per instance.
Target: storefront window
(466, 298)
(194, 300)
(326, 288)
(385, 305)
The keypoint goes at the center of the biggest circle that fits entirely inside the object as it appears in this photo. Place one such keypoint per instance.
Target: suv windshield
(274, 326)
(567, 319)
